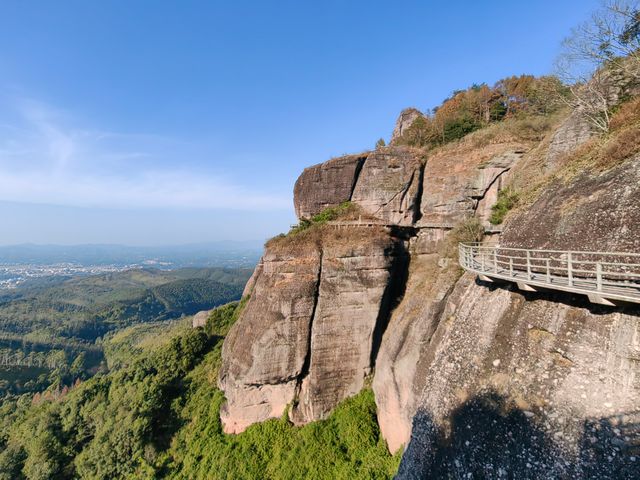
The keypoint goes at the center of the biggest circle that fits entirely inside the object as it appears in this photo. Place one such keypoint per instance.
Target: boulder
(200, 319)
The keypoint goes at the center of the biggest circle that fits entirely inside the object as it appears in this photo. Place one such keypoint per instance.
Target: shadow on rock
(570, 299)
(489, 440)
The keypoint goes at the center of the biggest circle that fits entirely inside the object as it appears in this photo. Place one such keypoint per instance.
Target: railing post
(528, 265)
(570, 269)
(511, 266)
(548, 272)
(599, 276)
(495, 261)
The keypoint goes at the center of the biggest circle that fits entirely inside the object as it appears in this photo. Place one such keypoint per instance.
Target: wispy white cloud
(46, 158)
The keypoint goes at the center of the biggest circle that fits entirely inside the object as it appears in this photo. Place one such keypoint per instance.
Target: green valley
(52, 332)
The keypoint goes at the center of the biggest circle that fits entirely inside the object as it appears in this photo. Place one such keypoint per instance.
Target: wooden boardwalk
(604, 277)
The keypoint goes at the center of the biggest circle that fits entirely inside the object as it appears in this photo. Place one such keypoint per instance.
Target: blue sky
(149, 122)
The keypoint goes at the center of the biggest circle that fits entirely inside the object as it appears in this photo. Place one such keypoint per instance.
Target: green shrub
(507, 199)
(458, 128)
(221, 319)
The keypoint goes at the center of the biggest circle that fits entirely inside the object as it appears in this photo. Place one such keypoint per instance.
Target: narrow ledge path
(604, 277)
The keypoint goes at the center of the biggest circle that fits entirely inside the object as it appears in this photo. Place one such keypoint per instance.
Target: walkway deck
(604, 277)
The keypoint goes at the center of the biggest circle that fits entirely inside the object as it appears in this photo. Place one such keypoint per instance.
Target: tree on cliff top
(480, 105)
(601, 60)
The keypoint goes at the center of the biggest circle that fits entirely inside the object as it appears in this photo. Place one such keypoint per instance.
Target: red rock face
(326, 185)
(354, 298)
(456, 181)
(389, 185)
(311, 331)
(405, 120)
(308, 331)
(265, 351)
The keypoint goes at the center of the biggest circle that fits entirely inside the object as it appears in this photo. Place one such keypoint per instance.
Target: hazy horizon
(141, 123)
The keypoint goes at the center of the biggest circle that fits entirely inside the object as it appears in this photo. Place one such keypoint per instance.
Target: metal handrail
(601, 275)
(585, 252)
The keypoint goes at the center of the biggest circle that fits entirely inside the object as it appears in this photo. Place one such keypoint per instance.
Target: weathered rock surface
(251, 283)
(327, 184)
(573, 132)
(593, 212)
(554, 366)
(478, 378)
(412, 325)
(470, 334)
(545, 366)
(264, 353)
(405, 120)
(357, 284)
(389, 185)
(309, 330)
(457, 180)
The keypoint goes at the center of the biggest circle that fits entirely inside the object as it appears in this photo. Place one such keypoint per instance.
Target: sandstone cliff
(468, 376)
(308, 334)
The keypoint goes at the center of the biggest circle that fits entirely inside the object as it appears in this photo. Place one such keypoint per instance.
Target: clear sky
(166, 122)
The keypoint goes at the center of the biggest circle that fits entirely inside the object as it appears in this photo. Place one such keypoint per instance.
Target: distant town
(12, 276)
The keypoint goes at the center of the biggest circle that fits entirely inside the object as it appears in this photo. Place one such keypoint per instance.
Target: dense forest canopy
(52, 332)
(158, 417)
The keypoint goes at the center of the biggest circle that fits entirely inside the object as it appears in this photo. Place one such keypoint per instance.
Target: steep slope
(554, 370)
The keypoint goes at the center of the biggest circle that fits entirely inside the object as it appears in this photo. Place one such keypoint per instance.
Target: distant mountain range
(223, 253)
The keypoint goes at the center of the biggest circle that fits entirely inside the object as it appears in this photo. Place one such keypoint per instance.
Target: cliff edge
(468, 376)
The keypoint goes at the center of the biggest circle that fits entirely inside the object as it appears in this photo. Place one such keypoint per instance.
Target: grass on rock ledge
(311, 233)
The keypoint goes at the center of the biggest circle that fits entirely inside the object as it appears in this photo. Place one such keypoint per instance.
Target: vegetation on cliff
(481, 105)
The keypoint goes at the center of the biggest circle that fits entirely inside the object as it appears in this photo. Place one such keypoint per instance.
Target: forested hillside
(51, 332)
(158, 417)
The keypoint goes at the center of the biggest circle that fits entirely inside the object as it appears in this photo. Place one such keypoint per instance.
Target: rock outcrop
(472, 377)
(574, 131)
(385, 183)
(390, 185)
(200, 319)
(592, 211)
(456, 180)
(327, 184)
(308, 333)
(357, 285)
(405, 120)
(265, 351)
(562, 370)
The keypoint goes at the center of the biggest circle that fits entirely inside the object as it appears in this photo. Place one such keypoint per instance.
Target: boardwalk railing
(602, 276)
